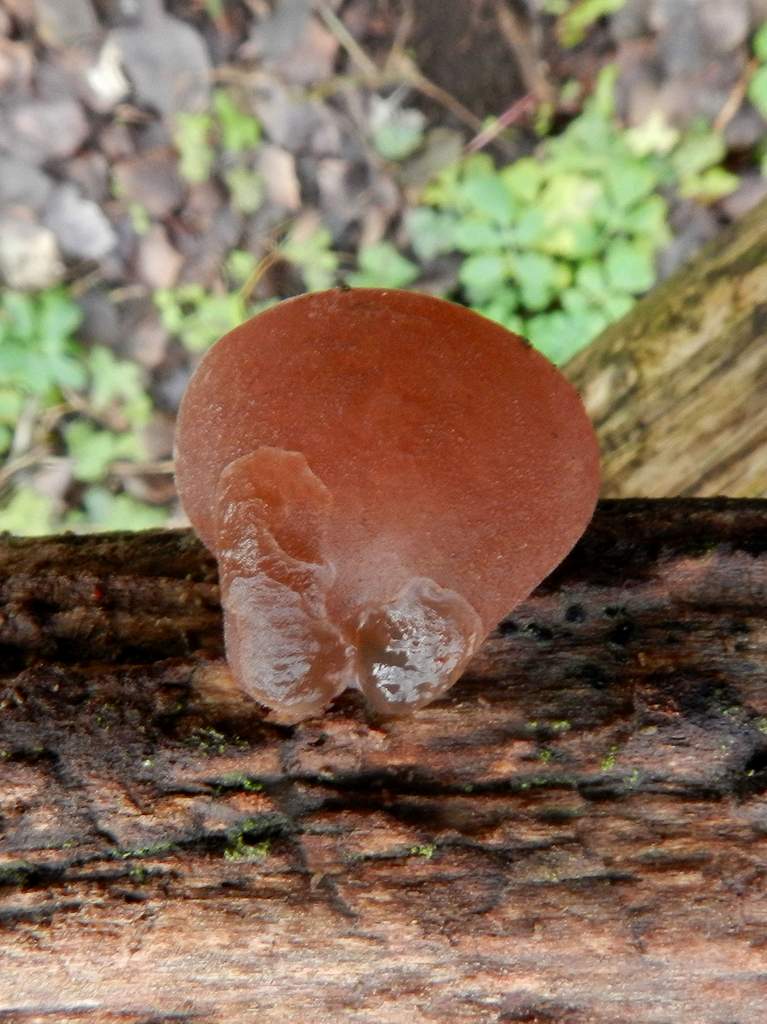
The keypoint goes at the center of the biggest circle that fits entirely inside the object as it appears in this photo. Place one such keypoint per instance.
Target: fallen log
(677, 389)
(576, 835)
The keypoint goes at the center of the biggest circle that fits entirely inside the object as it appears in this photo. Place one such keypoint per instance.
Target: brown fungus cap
(382, 476)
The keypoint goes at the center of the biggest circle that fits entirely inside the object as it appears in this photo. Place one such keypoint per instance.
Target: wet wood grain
(578, 834)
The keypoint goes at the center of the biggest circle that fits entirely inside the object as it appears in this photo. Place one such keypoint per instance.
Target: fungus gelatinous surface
(382, 476)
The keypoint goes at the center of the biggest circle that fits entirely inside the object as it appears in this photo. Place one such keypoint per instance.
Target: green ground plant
(199, 317)
(225, 137)
(558, 245)
(71, 402)
(575, 17)
(757, 86)
(555, 245)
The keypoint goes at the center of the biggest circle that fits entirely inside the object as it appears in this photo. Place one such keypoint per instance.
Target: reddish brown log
(578, 834)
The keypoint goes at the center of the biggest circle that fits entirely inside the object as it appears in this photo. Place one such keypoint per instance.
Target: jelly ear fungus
(382, 476)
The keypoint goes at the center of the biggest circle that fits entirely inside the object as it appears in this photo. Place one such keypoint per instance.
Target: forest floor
(165, 169)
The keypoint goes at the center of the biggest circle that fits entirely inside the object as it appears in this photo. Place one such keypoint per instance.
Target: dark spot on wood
(612, 611)
(557, 815)
(575, 613)
(592, 674)
(673, 321)
(37, 915)
(131, 895)
(40, 609)
(529, 1008)
(759, 319)
(622, 634)
(757, 763)
(754, 544)
(753, 779)
(12, 660)
(31, 755)
(542, 633)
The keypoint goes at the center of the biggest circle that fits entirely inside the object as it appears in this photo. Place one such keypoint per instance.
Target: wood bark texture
(577, 834)
(677, 389)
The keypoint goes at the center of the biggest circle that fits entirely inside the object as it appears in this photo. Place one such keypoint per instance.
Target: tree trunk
(678, 388)
(576, 835)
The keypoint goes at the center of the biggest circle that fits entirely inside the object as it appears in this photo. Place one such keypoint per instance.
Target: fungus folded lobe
(382, 476)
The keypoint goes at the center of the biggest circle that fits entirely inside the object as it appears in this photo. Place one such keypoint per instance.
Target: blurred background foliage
(551, 217)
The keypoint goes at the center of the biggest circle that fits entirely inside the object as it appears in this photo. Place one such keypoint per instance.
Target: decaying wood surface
(578, 834)
(677, 389)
